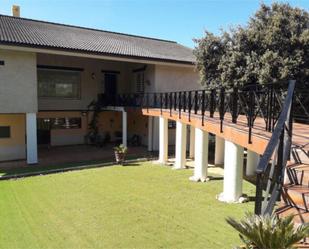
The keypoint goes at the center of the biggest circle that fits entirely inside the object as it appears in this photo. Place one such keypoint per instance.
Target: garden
(140, 205)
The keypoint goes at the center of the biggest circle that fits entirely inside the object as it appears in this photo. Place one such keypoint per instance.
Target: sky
(177, 20)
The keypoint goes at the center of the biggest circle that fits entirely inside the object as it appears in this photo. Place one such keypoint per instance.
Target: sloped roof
(41, 34)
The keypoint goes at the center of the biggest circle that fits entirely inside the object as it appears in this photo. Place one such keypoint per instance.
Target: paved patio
(81, 154)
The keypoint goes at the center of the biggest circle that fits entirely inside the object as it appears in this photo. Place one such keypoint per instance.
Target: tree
(272, 47)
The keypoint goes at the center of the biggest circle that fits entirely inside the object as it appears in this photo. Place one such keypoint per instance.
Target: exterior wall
(66, 136)
(18, 94)
(108, 122)
(150, 78)
(18, 82)
(90, 87)
(111, 122)
(148, 74)
(13, 148)
(138, 124)
(171, 78)
(158, 78)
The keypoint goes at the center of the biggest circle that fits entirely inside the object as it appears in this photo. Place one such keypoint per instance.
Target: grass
(32, 169)
(7, 171)
(137, 206)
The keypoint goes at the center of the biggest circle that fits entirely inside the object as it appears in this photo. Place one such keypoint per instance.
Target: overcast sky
(178, 20)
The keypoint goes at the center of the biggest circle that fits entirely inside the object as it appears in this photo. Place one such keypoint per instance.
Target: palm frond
(265, 232)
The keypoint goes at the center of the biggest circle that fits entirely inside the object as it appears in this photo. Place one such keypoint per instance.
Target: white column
(233, 172)
(150, 134)
(124, 128)
(192, 138)
(163, 140)
(31, 134)
(219, 151)
(201, 156)
(181, 144)
(252, 162)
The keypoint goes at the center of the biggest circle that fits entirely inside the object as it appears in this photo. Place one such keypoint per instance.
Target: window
(5, 131)
(59, 123)
(140, 87)
(66, 123)
(54, 83)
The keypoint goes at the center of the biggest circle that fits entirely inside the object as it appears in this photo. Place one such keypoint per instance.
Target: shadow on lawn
(251, 198)
(216, 178)
(131, 164)
(32, 170)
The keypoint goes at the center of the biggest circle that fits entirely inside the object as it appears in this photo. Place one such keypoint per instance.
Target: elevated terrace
(271, 122)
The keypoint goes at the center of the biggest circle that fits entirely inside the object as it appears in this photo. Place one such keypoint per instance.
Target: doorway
(43, 131)
(110, 87)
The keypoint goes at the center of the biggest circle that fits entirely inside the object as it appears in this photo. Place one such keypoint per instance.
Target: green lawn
(141, 206)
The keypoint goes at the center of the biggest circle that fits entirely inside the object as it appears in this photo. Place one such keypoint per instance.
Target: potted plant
(265, 232)
(120, 153)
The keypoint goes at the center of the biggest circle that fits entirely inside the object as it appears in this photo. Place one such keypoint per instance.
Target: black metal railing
(271, 168)
(277, 104)
(251, 102)
(301, 104)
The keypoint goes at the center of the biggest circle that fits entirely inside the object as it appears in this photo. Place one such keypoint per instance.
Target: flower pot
(119, 156)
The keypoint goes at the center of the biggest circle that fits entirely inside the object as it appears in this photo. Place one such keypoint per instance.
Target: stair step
(300, 216)
(301, 155)
(299, 174)
(297, 196)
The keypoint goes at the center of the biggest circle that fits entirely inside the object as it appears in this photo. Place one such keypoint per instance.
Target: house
(50, 73)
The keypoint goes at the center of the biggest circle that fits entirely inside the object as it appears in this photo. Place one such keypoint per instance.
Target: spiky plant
(268, 232)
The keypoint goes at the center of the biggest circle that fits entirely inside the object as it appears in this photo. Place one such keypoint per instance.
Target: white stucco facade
(92, 79)
(19, 93)
(173, 78)
(18, 82)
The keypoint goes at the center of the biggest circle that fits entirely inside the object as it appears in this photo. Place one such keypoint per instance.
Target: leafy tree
(272, 47)
(269, 232)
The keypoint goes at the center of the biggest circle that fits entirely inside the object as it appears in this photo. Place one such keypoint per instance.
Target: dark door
(110, 87)
(43, 130)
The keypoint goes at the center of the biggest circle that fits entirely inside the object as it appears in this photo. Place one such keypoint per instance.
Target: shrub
(268, 232)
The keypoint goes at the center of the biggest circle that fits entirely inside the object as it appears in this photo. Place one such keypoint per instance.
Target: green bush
(268, 232)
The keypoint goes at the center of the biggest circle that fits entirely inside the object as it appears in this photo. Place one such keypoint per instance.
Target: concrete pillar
(192, 138)
(150, 133)
(163, 140)
(219, 151)
(124, 128)
(31, 134)
(233, 172)
(252, 162)
(201, 156)
(181, 144)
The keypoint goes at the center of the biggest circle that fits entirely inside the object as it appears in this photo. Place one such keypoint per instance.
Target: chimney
(16, 10)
